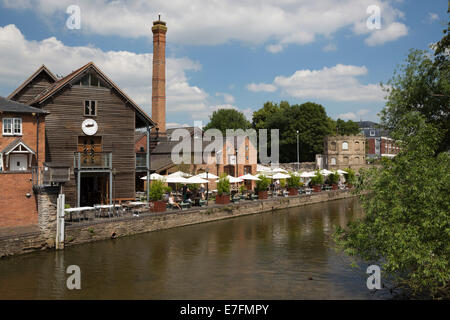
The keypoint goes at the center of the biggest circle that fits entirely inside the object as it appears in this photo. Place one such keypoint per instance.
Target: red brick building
(22, 146)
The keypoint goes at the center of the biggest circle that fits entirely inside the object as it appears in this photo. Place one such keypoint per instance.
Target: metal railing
(96, 160)
(48, 176)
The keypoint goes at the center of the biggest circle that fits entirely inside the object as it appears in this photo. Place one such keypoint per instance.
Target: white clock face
(89, 127)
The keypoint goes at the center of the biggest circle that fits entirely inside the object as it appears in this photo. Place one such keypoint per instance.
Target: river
(287, 254)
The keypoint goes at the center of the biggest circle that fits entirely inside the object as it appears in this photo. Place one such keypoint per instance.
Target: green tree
(309, 118)
(406, 226)
(422, 84)
(342, 127)
(224, 119)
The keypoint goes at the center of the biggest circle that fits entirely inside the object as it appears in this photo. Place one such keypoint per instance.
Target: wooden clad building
(91, 129)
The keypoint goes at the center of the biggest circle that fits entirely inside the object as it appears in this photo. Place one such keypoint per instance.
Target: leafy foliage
(263, 183)
(294, 182)
(223, 186)
(341, 127)
(333, 178)
(422, 84)
(350, 176)
(242, 189)
(157, 190)
(224, 119)
(318, 179)
(406, 227)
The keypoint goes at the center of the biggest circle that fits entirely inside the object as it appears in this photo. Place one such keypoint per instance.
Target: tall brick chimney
(159, 30)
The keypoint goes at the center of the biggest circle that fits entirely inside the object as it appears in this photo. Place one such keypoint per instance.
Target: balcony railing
(49, 175)
(96, 160)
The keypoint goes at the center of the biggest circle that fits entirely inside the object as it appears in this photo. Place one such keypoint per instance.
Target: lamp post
(207, 187)
(298, 159)
(236, 162)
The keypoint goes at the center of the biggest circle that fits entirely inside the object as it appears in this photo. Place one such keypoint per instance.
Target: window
(90, 108)
(356, 160)
(91, 80)
(333, 146)
(372, 133)
(357, 145)
(345, 160)
(12, 126)
(333, 161)
(345, 145)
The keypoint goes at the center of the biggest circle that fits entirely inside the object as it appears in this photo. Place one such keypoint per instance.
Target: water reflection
(281, 255)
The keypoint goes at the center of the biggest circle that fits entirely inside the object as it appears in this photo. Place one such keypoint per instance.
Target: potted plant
(156, 192)
(223, 190)
(317, 181)
(293, 183)
(350, 177)
(261, 186)
(333, 178)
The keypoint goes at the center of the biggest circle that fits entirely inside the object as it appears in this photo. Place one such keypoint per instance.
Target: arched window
(345, 145)
(356, 160)
(333, 161)
(333, 146)
(345, 160)
(356, 145)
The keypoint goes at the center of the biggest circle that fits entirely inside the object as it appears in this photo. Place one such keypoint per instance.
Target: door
(18, 162)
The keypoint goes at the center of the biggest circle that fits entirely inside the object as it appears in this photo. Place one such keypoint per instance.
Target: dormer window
(372, 133)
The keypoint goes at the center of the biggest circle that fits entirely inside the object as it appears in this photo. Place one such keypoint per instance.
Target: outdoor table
(308, 190)
(137, 205)
(107, 206)
(78, 210)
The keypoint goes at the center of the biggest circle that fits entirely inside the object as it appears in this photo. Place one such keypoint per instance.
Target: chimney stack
(159, 30)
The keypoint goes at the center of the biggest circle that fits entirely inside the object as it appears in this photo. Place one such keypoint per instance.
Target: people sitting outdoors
(173, 203)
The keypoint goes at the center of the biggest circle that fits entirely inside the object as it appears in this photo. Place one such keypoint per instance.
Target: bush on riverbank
(406, 225)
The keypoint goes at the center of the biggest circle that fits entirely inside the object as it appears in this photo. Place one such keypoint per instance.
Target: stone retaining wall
(124, 226)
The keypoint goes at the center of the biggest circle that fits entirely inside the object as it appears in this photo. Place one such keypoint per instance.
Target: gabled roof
(10, 147)
(17, 107)
(53, 89)
(41, 69)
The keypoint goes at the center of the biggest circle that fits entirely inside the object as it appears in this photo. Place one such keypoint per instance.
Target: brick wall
(16, 209)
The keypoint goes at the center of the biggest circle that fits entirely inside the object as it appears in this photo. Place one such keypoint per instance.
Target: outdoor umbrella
(179, 174)
(154, 176)
(276, 170)
(325, 172)
(176, 179)
(341, 172)
(196, 180)
(280, 175)
(309, 174)
(210, 176)
(261, 168)
(248, 176)
(232, 179)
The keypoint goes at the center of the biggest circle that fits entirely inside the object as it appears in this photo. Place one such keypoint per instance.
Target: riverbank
(124, 226)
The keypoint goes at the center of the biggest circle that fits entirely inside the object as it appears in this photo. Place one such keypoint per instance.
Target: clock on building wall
(89, 127)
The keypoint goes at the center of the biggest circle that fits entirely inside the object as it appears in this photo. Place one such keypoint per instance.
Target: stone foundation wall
(124, 226)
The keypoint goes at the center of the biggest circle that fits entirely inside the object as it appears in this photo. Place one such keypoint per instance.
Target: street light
(298, 161)
(207, 187)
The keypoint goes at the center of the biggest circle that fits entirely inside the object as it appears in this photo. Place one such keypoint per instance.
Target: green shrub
(333, 178)
(283, 183)
(157, 190)
(263, 184)
(67, 206)
(318, 179)
(350, 177)
(193, 187)
(223, 186)
(294, 182)
(242, 189)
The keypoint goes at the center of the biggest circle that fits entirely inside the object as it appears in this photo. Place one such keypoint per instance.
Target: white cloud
(362, 112)
(390, 33)
(273, 23)
(131, 71)
(261, 87)
(347, 116)
(330, 47)
(431, 17)
(338, 83)
(228, 98)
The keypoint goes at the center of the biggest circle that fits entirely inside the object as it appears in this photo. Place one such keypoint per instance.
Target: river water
(287, 254)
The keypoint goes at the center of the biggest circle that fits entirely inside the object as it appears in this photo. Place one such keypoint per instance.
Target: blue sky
(232, 54)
